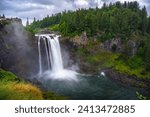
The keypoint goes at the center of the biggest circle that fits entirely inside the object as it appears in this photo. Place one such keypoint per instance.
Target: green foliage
(11, 87)
(131, 65)
(120, 62)
(7, 76)
(54, 27)
(46, 22)
(135, 62)
(118, 19)
(140, 96)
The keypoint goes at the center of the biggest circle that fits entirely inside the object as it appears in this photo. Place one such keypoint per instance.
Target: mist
(19, 50)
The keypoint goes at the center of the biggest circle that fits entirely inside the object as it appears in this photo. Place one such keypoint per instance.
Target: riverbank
(92, 60)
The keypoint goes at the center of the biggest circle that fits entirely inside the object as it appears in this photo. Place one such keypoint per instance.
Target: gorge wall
(18, 49)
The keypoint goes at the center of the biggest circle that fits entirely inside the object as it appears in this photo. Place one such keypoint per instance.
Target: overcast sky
(42, 8)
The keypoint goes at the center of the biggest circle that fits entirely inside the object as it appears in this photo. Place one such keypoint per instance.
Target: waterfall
(53, 53)
(56, 58)
(54, 62)
(47, 54)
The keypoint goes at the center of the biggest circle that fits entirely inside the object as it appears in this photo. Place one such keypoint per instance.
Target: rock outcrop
(18, 49)
(80, 40)
(129, 47)
(114, 45)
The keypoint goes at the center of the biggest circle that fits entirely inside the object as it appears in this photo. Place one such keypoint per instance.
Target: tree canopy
(125, 20)
(118, 19)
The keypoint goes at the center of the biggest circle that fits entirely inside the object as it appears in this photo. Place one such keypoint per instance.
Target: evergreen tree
(144, 20)
(34, 20)
(104, 5)
(115, 19)
(125, 4)
(27, 23)
(118, 4)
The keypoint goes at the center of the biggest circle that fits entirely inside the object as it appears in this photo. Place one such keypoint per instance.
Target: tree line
(112, 20)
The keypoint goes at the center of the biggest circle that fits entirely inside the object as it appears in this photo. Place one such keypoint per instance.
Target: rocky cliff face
(17, 48)
(114, 44)
(77, 41)
(129, 47)
(80, 40)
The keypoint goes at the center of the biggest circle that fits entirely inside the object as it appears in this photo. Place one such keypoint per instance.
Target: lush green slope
(12, 88)
(98, 59)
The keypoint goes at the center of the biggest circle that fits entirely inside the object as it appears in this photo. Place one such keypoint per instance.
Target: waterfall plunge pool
(72, 84)
(89, 87)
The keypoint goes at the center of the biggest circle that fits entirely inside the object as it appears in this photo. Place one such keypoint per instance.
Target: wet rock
(114, 44)
(18, 49)
(126, 79)
(131, 47)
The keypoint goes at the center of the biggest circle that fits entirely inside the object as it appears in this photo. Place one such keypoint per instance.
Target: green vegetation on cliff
(119, 20)
(12, 88)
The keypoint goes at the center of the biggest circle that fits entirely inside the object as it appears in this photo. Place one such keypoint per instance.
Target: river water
(91, 87)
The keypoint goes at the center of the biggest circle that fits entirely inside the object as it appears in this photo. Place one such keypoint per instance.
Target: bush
(135, 62)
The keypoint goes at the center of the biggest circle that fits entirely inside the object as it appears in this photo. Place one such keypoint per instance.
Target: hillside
(115, 36)
(17, 52)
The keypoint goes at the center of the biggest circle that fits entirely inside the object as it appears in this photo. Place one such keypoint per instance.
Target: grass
(103, 58)
(98, 58)
(12, 88)
(19, 91)
(111, 60)
(124, 68)
(7, 76)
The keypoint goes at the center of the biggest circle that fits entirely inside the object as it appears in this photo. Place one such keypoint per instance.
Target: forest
(124, 20)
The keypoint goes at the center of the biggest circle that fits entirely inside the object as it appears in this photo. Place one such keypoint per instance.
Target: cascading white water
(54, 58)
(56, 63)
(48, 59)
